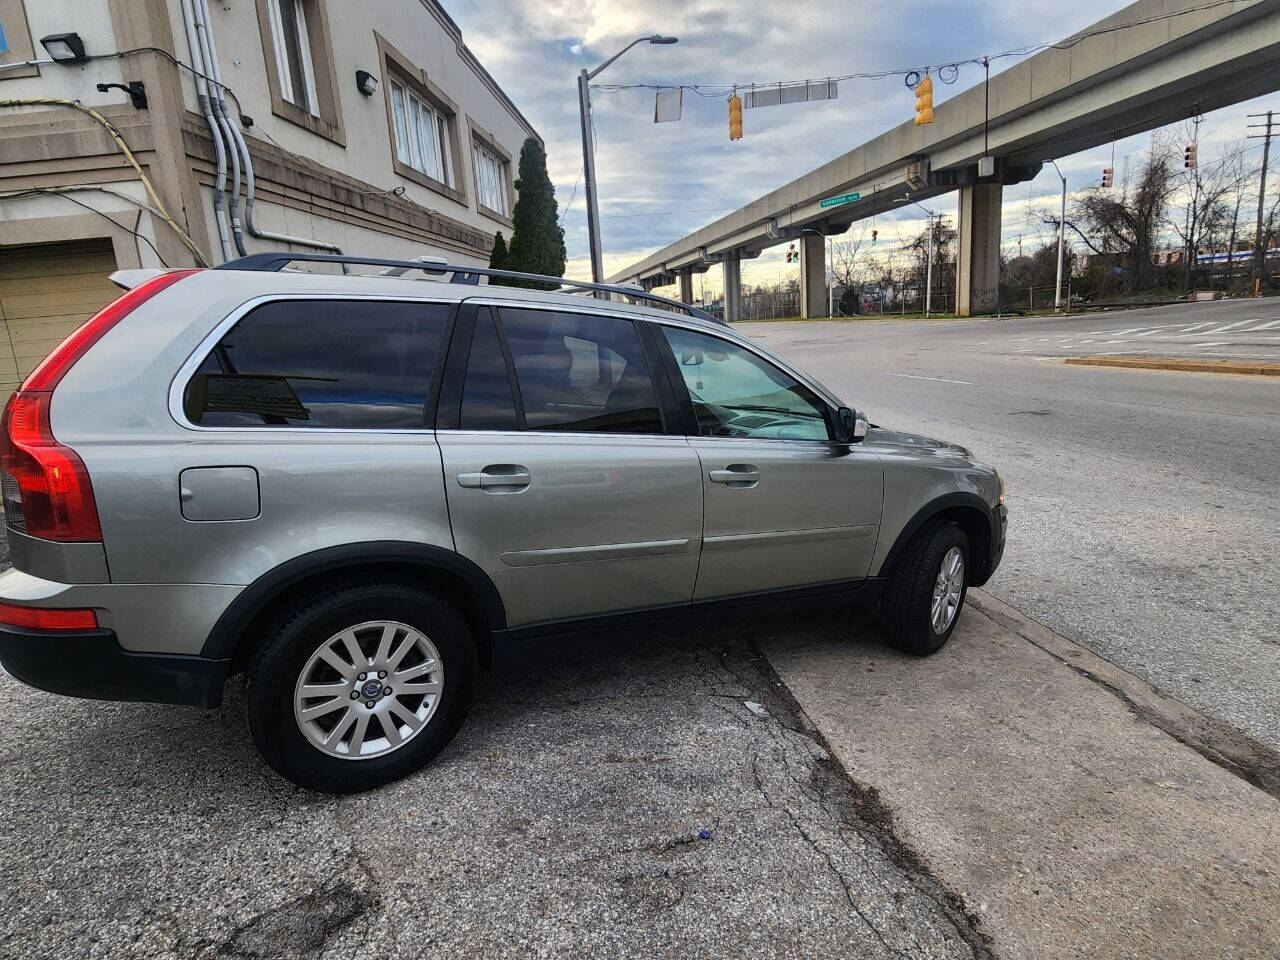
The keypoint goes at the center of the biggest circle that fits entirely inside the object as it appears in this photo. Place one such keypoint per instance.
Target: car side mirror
(850, 425)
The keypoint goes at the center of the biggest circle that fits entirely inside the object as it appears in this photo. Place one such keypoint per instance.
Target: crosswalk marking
(1265, 326)
(1224, 329)
(1197, 326)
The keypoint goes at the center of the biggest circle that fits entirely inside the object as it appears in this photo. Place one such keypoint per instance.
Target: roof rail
(275, 262)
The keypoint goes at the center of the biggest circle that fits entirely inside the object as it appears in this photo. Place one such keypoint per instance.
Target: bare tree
(1214, 196)
(1128, 223)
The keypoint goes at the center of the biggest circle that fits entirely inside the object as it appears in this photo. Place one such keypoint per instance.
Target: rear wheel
(361, 687)
(927, 589)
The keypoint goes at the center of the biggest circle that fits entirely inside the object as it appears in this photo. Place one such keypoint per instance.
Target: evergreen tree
(537, 241)
(498, 256)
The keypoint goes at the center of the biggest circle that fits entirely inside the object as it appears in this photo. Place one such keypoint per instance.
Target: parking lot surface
(565, 820)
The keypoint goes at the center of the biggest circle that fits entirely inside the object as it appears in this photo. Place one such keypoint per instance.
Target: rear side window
(337, 364)
(581, 373)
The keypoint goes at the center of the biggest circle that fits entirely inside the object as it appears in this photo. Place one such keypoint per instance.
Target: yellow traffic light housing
(924, 100)
(735, 117)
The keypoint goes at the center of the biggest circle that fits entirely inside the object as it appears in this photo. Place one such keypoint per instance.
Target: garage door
(46, 291)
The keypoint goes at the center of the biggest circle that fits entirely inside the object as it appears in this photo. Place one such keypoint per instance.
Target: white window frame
(491, 179)
(421, 132)
(310, 99)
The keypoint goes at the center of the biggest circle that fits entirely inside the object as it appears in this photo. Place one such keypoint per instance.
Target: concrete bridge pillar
(813, 276)
(686, 286)
(978, 249)
(732, 288)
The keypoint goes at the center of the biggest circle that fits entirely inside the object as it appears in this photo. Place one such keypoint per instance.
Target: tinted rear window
(340, 364)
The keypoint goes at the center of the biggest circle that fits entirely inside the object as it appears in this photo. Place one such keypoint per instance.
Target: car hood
(914, 443)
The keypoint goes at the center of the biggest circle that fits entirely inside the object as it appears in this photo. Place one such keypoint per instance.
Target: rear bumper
(93, 665)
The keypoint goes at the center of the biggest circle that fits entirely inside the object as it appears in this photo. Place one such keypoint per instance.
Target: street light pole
(589, 153)
(1062, 233)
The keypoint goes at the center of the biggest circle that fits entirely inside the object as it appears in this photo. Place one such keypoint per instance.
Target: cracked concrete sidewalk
(1068, 806)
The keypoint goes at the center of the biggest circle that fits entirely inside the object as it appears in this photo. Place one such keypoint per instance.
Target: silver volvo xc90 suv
(356, 488)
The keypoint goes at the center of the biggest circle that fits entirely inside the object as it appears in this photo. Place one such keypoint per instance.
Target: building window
(299, 61)
(491, 181)
(293, 54)
(422, 135)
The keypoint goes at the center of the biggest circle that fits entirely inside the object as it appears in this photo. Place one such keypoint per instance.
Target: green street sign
(836, 201)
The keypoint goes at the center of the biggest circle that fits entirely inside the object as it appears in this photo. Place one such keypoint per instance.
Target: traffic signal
(792, 255)
(1189, 157)
(735, 117)
(924, 100)
(874, 234)
(1107, 176)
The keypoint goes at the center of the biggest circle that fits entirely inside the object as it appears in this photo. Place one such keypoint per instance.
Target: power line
(946, 72)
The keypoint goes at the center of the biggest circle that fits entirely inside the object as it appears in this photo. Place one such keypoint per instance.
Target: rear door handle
(736, 475)
(497, 478)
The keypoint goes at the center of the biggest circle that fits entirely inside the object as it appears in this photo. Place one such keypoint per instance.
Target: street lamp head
(659, 38)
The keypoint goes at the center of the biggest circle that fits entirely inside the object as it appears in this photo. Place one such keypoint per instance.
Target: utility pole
(1259, 246)
(1062, 234)
(928, 282)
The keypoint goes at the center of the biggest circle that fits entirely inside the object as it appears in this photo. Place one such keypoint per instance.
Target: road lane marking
(1265, 326)
(1197, 326)
(1229, 326)
(912, 376)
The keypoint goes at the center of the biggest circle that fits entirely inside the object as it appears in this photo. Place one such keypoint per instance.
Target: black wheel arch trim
(948, 501)
(225, 636)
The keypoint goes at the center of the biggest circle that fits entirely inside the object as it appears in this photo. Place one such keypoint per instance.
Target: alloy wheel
(368, 690)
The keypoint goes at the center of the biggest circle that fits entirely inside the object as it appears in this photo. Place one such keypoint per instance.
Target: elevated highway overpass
(1152, 63)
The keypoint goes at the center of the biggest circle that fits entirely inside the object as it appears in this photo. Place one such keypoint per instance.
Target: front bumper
(93, 665)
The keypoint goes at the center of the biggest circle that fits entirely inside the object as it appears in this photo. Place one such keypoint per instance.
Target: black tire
(275, 670)
(906, 607)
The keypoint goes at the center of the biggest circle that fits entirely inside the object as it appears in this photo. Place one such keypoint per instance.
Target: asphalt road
(564, 821)
(1143, 504)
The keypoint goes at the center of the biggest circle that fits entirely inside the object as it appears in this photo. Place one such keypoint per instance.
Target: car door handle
(497, 478)
(736, 475)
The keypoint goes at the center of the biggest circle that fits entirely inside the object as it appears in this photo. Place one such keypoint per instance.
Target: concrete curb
(1217, 742)
(1250, 367)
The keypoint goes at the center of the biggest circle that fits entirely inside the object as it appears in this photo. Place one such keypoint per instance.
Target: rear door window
(336, 364)
(581, 373)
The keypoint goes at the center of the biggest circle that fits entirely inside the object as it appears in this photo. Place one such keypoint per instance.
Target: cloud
(659, 182)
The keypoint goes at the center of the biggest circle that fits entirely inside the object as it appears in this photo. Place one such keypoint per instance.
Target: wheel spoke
(357, 735)
(412, 688)
(323, 709)
(417, 670)
(408, 716)
(330, 656)
(384, 645)
(310, 690)
(358, 658)
(407, 644)
(390, 729)
(334, 736)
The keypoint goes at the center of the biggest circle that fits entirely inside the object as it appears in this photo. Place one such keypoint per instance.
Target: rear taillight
(47, 492)
(46, 487)
(47, 618)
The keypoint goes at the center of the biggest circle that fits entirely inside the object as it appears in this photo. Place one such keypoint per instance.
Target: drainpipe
(239, 144)
(206, 107)
(210, 61)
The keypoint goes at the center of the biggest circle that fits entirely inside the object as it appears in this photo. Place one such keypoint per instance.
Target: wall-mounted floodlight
(366, 83)
(64, 47)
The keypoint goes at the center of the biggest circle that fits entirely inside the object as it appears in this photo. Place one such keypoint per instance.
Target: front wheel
(927, 589)
(361, 686)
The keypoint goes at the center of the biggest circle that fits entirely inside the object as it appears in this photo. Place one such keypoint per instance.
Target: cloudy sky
(657, 182)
